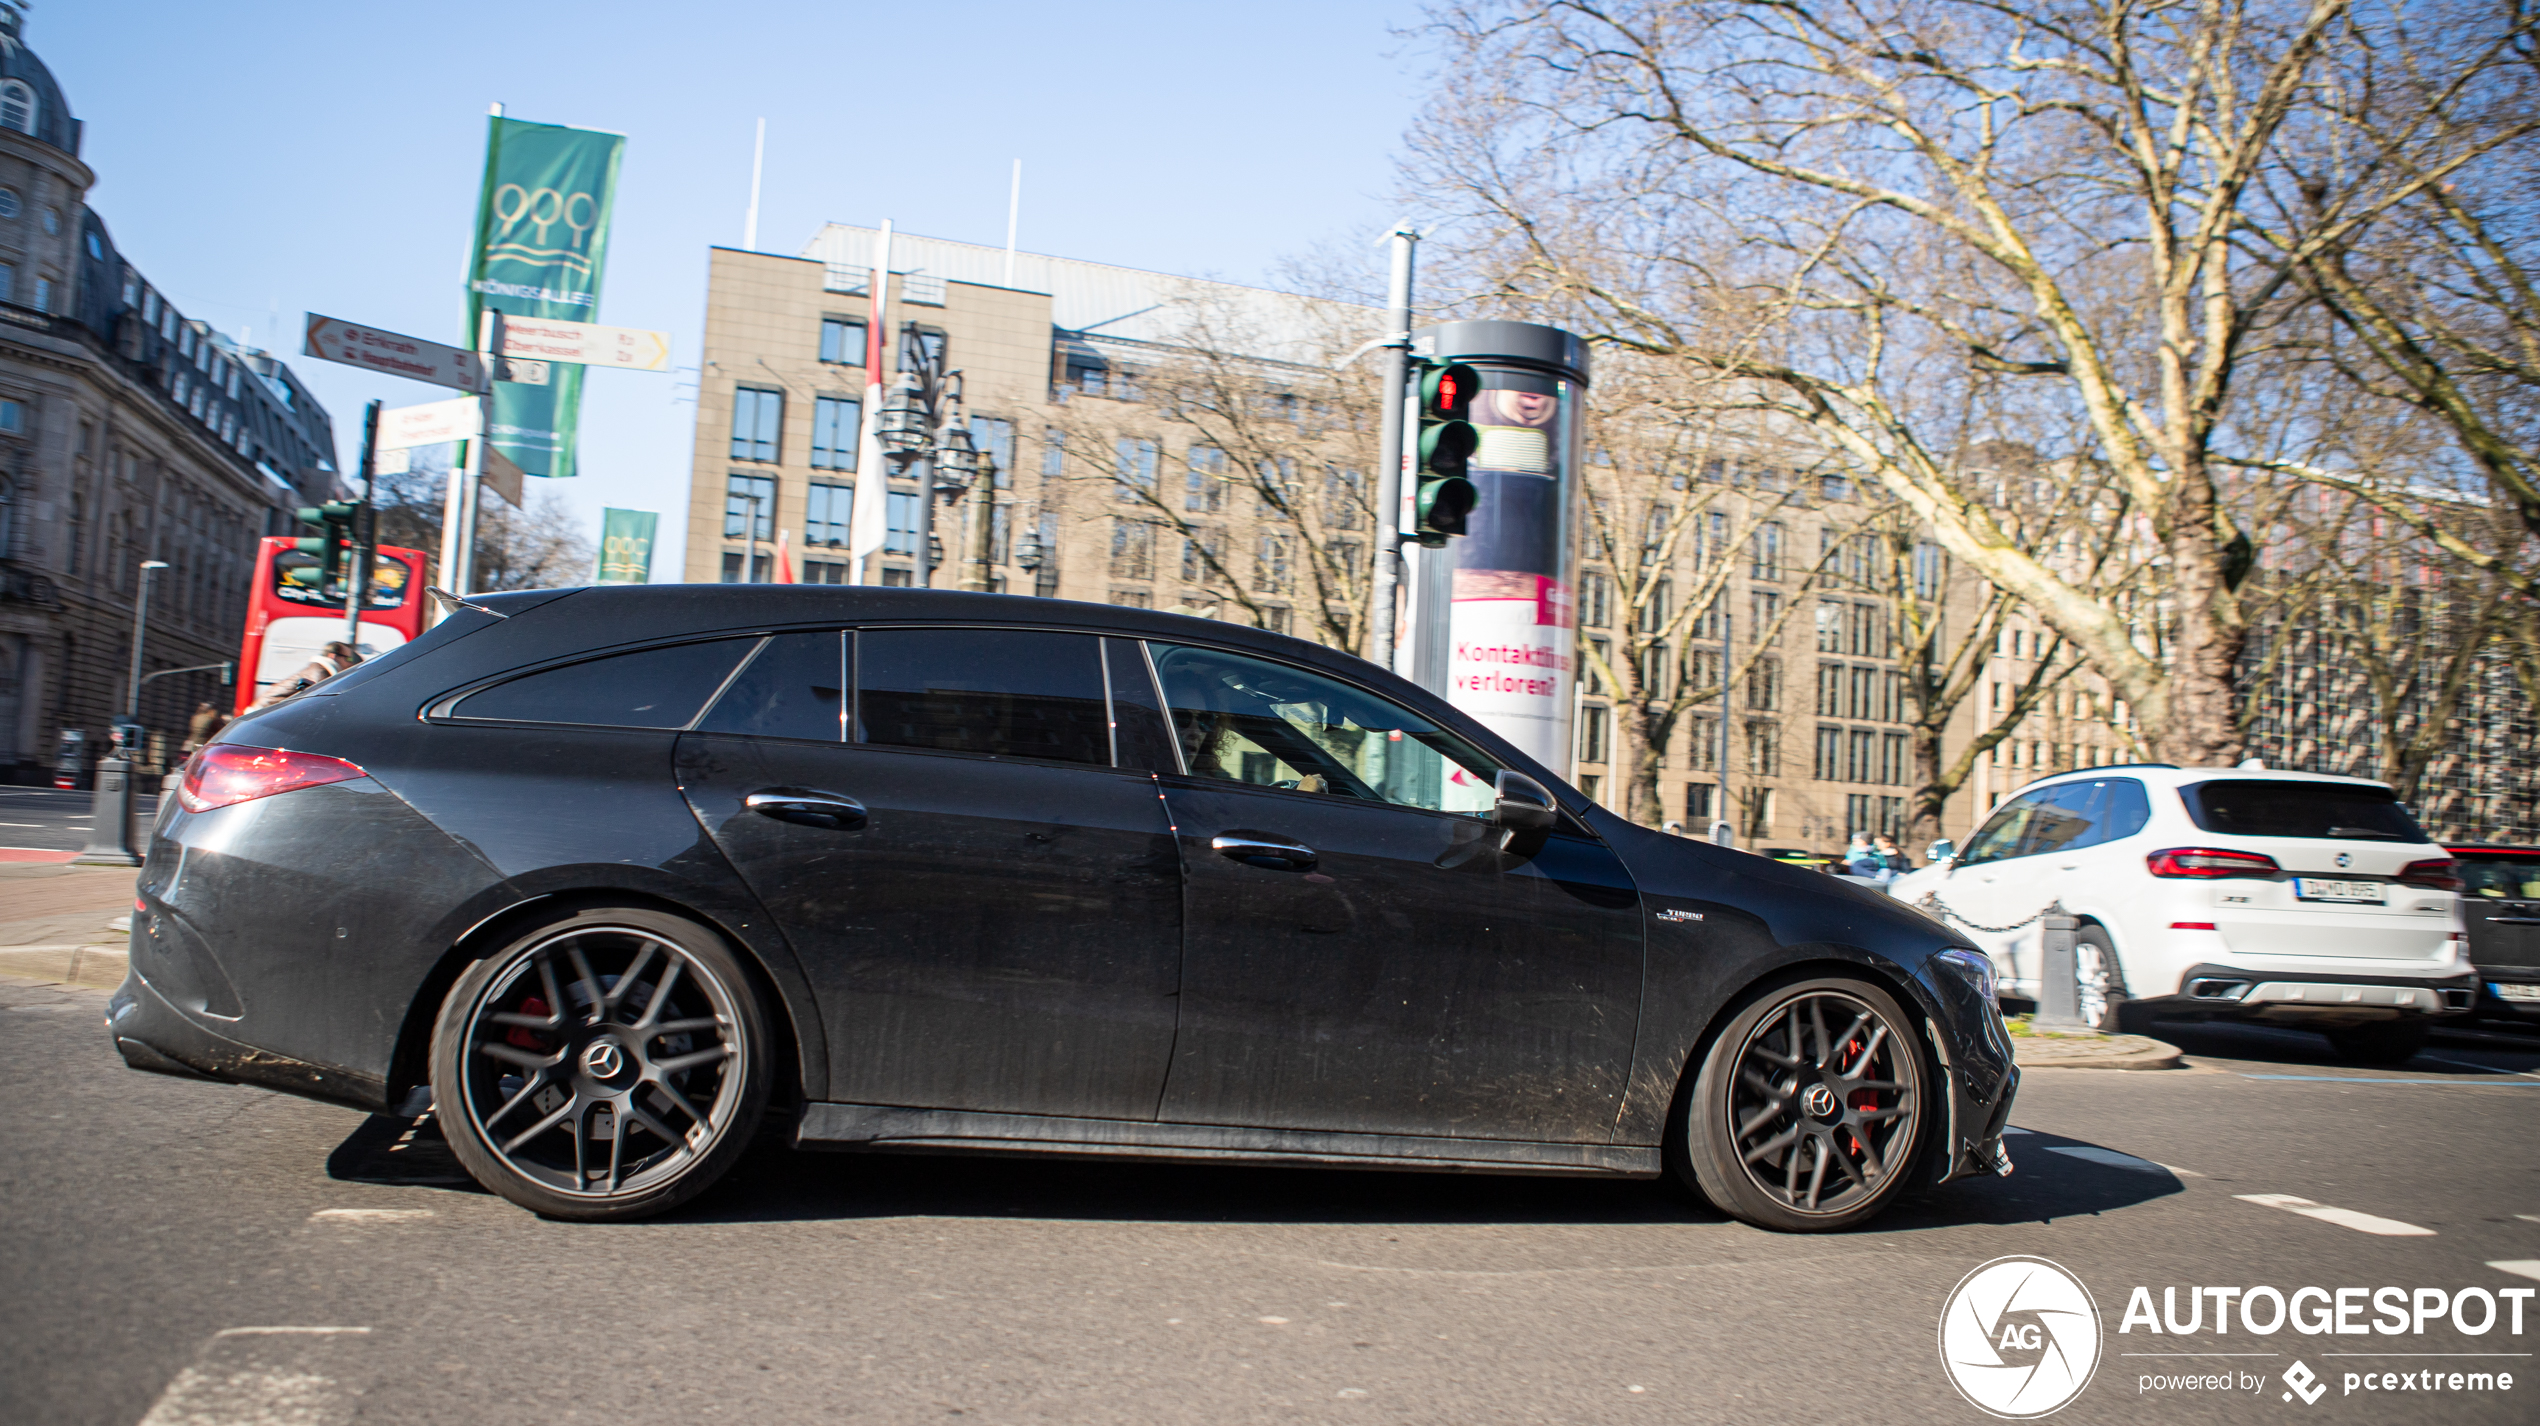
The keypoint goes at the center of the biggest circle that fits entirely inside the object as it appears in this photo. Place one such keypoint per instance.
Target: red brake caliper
(522, 1035)
(1861, 1098)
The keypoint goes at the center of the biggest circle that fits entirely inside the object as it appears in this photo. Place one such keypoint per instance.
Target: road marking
(2529, 1217)
(2520, 1267)
(261, 1376)
(2367, 1079)
(369, 1215)
(2342, 1217)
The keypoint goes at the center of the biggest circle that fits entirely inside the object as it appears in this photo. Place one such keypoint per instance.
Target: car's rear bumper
(2496, 985)
(2227, 992)
(153, 1035)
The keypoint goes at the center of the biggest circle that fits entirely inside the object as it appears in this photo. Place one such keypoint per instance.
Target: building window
(824, 572)
(1764, 684)
(12, 418)
(1702, 745)
(841, 341)
(994, 436)
(1132, 599)
(1598, 656)
(1596, 601)
(1768, 551)
(1132, 550)
(738, 491)
(837, 428)
(1763, 748)
(1765, 607)
(17, 107)
(1857, 814)
(44, 294)
(1204, 488)
(1892, 760)
(1931, 567)
(901, 514)
(1755, 808)
(1862, 766)
(1653, 615)
(1274, 617)
(9, 209)
(1829, 754)
(1699, 800)
(1593, 720)
(925, 345)
(827, 515)
(1053, 453)
(1345, 502)
(761, 570)
(757, 418)
(1202, 555)
(898, 577)
(1135, 468)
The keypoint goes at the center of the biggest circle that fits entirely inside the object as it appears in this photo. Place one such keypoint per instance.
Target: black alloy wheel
(1809, 1111)
(609, 1065)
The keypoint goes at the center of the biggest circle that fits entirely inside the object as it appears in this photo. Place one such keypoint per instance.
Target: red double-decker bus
(294, 612)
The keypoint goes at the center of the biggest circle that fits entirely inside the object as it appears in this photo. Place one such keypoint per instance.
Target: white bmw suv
(2230, 893)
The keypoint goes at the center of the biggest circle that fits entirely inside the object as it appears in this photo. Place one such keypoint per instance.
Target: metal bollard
(2059, 978)
(110, 818)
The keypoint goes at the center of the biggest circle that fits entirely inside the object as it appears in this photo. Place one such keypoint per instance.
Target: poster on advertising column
(1509, 649)
(542, 231)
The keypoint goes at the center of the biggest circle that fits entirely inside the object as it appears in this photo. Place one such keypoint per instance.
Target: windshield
(2260, 807)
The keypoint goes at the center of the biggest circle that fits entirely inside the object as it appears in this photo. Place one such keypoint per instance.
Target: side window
(2068, 819)
(2129, 811)
(794, 687)
(1006, 692)
(649, 688)
(1248, 720)
(1140, 738)
(2003, 832)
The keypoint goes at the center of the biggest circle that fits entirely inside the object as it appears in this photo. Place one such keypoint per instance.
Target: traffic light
(1446, 441)
(335, 518)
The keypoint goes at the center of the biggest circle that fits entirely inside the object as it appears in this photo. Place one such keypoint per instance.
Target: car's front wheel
(1809, 1112)
(610, 1064)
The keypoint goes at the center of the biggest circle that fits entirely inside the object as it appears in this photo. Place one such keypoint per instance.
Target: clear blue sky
(262, 160)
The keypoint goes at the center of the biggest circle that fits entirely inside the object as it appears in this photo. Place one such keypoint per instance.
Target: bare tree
(1924, 191)
(540, 547)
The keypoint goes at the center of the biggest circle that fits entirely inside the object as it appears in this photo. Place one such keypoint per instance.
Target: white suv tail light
(2209, 862)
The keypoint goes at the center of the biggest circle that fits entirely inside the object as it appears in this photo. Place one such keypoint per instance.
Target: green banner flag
(626, 547)
(542, 234)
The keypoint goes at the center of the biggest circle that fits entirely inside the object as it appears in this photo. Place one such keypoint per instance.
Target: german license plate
(2508, 990)
(2312, 888)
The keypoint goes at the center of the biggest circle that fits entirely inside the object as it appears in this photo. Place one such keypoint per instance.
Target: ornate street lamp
(906, 427)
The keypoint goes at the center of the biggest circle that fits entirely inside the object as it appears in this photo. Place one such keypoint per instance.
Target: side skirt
(882, 1128)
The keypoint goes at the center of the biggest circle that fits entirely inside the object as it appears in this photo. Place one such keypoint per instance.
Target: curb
(95, 967)
(2110, 1052)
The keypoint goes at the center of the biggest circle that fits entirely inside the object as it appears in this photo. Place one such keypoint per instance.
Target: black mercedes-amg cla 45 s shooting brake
(624, 874)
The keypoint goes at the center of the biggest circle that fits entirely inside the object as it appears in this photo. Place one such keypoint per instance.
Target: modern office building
(127, 433)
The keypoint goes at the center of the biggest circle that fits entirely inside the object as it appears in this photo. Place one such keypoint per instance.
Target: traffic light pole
(1385, 592)
(357, 579)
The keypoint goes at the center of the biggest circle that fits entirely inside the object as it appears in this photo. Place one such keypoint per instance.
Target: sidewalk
(65, 924)
(2118, 1052)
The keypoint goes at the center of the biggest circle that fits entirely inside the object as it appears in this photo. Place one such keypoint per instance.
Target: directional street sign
(433, 424)
(394, 353)
(586, 343)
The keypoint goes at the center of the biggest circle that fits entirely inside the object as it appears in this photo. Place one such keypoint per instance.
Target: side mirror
(1523, 810)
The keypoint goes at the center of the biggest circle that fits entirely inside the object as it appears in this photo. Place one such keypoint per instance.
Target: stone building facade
(127, 433)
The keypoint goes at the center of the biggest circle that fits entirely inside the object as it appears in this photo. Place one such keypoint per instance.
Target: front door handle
(1254, 849)
(805, 808)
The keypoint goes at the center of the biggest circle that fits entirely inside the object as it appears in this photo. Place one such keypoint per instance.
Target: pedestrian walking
(1891, 858)
(207, 720)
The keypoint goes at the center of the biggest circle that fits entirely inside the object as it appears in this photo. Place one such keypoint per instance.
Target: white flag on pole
(870, 527)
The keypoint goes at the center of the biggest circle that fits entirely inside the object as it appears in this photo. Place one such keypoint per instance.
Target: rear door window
(648, 688)
(2265, 807)
(2501, 878)
(793, 687)
(1003, 692)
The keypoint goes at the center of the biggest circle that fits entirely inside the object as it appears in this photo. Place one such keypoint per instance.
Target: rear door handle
(806, 808)
(2513, 920)
(1254, 849)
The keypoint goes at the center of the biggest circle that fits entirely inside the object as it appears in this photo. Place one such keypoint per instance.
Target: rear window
(2501, 878)
(2261, 807)
(1004, 692)
(649, 688)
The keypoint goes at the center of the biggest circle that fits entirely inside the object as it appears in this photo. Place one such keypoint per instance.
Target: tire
(578, 1099)
(1766, 1122)
(2387, 1042)
(2104, 1004)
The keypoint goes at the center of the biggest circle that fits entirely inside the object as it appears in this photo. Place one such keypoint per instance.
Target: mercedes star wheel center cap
(1819, 1101)
(602, 1059)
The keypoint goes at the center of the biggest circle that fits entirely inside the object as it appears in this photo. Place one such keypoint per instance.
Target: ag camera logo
(2020, 1338)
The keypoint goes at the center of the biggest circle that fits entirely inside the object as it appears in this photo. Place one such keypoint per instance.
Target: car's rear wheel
(2100, 978)
(1810, 1108)
(2386, 1042)
(610, 1064)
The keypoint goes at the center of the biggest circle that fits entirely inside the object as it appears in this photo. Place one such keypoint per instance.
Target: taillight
(2435, 874)
(2209, 862)
(225, 773)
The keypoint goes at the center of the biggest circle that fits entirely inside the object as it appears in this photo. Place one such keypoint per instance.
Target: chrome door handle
(1254, 849)
(2513, 920)
(806, 808)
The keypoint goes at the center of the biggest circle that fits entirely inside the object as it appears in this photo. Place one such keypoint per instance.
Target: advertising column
(1509, 638)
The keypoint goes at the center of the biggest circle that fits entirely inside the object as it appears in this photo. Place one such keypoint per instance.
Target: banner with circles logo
(542, 235)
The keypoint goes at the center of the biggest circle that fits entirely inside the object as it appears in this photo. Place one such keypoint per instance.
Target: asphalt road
(161, 1233)
(46, 820)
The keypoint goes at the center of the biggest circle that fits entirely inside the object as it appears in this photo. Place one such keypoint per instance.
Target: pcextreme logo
(2020, 1338)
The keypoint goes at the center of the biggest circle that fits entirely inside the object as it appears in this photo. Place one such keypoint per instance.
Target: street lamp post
(110, 808)
(922, 422)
